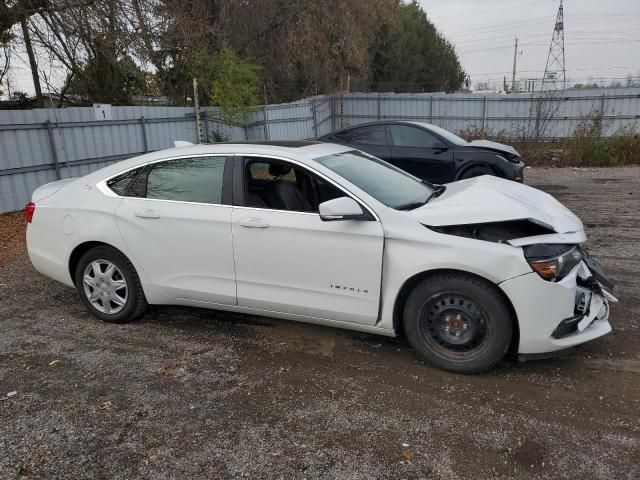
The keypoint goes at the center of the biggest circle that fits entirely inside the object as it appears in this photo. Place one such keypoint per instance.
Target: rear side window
(404, 136)
(120, 184)
(197, 179)
(371, 135)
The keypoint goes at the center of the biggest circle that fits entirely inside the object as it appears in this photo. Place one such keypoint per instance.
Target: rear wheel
(476, 172)
(109, 286)
(458, 322)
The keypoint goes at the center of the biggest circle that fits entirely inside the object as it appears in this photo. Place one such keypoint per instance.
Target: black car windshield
(386, 183)
(446, 134)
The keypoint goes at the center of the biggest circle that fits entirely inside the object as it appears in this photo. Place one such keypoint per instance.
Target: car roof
(381, 122)
(303, 151)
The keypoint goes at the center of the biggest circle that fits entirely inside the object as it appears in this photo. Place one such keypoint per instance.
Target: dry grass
(587, 147)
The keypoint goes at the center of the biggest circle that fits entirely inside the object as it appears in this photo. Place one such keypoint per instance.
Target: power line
(489, 10)
(568, 70)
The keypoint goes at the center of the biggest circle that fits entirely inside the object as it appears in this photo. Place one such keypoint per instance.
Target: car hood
(494, 146)
(490, 199)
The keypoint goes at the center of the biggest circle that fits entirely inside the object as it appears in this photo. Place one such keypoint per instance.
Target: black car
(429, 152)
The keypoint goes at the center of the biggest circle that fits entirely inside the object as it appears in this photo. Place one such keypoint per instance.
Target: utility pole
(32, 62)
(196, 106)
(515, 59)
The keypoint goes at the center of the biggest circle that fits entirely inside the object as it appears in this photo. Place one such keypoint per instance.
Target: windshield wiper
(411, 206)
(437, 191)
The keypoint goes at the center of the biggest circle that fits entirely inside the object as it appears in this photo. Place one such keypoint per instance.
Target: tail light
(29, 210)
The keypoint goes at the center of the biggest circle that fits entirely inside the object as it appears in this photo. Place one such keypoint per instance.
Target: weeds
(588, 147)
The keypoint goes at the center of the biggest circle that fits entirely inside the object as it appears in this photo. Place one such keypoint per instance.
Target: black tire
(135, 303)
(473, 172)
(458, 322)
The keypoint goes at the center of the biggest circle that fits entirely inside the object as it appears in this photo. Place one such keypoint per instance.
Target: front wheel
(473, 172)
(109, 286)
(458, 322)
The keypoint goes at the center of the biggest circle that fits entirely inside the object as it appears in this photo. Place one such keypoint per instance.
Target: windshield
(386, 183)
(446, 134)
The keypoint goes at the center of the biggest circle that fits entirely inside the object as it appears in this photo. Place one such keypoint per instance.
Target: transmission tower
(554, 73)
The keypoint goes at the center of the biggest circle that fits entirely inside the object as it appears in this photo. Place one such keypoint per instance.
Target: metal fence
(42, 145)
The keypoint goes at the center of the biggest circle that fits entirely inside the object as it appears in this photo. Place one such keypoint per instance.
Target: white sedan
(325, 234)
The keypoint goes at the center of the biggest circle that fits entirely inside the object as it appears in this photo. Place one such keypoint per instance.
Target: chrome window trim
(103, 188)
(276, 210)
(315, 172)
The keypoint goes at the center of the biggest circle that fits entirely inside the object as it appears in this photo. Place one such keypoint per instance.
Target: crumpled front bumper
(554, 316)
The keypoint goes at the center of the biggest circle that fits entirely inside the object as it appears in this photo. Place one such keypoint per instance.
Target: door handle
(252, 222)
(147, 213)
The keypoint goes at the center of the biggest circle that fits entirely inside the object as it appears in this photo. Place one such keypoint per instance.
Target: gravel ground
(187, 393)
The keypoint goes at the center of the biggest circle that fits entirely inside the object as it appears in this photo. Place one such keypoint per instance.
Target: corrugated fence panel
(27, 154)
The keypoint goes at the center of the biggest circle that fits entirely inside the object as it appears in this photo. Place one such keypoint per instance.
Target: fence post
(431, 109)
(54, 153)
(145, 140)
(333, 112)
(205, 114)
(266, 123)
(484, 114)
(379, 106)
(315, 118)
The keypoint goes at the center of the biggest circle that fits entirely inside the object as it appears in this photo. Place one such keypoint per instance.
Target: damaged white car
(325, 234)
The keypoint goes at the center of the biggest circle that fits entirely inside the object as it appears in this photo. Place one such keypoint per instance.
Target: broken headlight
(553, 262)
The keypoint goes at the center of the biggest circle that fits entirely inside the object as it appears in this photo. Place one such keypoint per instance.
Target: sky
(602, 37)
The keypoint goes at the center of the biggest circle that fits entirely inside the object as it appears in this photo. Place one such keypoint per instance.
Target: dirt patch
(11, 235)
(190, 393)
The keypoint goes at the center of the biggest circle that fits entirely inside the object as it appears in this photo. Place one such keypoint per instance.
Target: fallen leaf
(106, 405)
(167, 369)
(333, 392)
(54, 362)
(408, 455)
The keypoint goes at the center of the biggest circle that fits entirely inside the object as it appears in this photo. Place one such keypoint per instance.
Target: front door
(176, 226)
(420, 153)
(288, 260)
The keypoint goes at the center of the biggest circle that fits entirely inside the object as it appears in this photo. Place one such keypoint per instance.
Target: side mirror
(341, 208)
(438, 145)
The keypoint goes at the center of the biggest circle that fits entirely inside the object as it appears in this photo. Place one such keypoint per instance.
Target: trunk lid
(49, 189)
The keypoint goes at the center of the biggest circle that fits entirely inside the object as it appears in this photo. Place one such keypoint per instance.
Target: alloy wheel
(105, 287)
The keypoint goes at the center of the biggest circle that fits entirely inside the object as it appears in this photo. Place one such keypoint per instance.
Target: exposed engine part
(497, 232)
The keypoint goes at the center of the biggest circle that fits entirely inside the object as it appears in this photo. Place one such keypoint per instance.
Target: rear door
(175, 218)
(421, 153)
(370, 138)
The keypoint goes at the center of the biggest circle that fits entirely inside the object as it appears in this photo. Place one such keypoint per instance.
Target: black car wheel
(458, 322)
(476, 172)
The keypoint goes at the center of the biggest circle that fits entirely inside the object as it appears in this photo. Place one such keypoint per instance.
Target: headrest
(279, 170)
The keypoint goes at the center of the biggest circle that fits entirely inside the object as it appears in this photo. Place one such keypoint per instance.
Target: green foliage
(414, 55)
(224, 80)
(235, 85)
(588, 148)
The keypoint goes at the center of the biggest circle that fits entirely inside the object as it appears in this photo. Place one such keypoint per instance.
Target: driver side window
(405, 136)
(279, 185)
